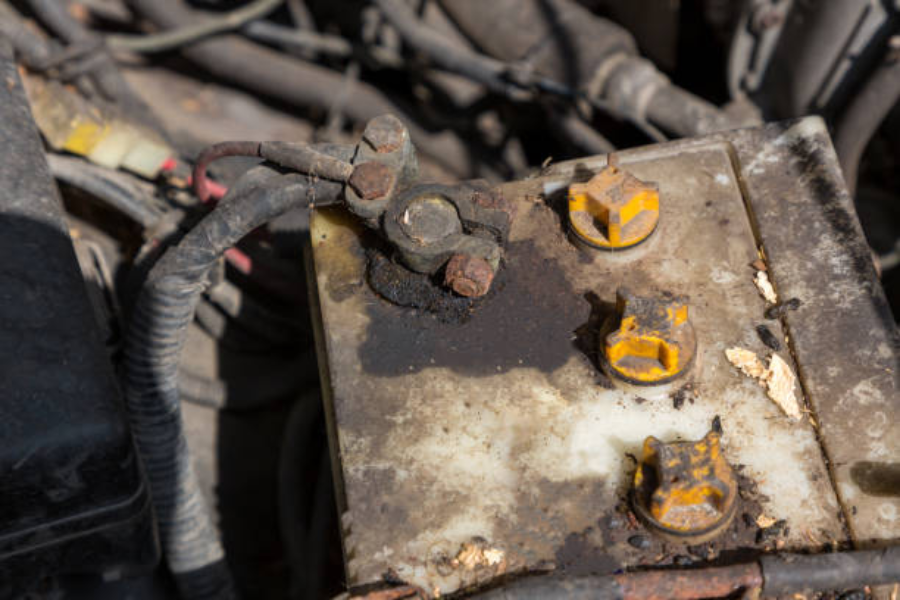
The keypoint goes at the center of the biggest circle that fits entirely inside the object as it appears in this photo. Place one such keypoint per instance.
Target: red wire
(202, 185)
(236, 257)
(170, 164)
(239, 260)
(216, 191)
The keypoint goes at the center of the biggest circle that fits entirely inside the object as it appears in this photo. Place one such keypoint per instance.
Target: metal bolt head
(685, 491)
(430, 219)
(614, 210)
(654, 342)
(468, 276)
(372, 180)
(385, 134)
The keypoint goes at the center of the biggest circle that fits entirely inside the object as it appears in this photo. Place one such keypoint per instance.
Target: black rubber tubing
(113, 188)
(31, 50)
(861, 119)
(55, 15)
(265, 71)
(782, 575)
(156, 336)
(556, 588)
(795, 573)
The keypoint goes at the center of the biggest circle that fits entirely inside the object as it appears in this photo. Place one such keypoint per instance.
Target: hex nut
(385, 134)
(372, 180)
(468, 276)
(430, 219)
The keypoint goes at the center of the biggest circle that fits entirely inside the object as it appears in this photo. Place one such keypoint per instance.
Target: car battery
(695, 319)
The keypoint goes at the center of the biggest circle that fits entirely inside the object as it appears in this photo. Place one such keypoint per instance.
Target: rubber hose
(32, 50)
(298, 39)
(547, 588)
(557, 38)
(860, 120)
(111, 187)
(174, 38)
(55, 15)
(684, 114)
(582, 135)
(795, 573)
(491, 73)
(272, 73)
(564, 40)
(156, 336)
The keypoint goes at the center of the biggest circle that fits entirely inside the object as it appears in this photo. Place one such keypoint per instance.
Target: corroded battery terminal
(652, 343)
(685, 491)
(614, 210)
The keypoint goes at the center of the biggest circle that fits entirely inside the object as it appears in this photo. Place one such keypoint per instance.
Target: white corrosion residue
(780, 387)
(747, 361)
(778, 379)
(765, 287)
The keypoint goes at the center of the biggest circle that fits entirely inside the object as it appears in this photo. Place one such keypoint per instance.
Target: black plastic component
(72, 496)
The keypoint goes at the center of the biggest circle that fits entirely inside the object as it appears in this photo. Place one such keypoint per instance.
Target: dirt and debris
(759, 265)
(768, 338)
(779, 310)
(627, 539)
(778, 379)
(764, 521)
(772, 533)
(639, 541)
(403, 287)
(477, 555)
(780, 382)
(586, 553)
(747, 361)
(684, 393)
(530, 300)
(761, 279)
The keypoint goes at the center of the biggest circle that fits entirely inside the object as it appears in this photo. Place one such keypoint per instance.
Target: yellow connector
(614, 210)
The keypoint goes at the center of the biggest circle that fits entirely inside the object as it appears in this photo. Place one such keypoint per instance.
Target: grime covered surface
(497, 430)
(841, 331)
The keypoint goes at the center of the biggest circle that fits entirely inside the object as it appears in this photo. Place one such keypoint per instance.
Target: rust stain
(715, 582)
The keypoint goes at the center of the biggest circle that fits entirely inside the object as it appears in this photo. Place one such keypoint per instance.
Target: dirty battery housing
(498, 431)
(72, 496)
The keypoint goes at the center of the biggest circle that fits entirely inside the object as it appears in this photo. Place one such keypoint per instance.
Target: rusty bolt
(372, 180)
(469, 276)
(385, 133)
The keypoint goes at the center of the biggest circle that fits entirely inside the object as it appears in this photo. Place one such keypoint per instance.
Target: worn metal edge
(815, 359)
